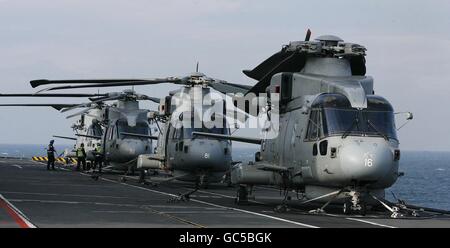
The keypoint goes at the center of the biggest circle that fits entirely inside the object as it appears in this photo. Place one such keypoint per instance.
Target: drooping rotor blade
(89, 104)
(55, 106)
(64, 137)
(229, 137)
(289, 62)
(89, 136)
(225, 87)
(39, 82)
(116, 84)
(140, 135)
(52, 95)
(79, 113)
(149, 98)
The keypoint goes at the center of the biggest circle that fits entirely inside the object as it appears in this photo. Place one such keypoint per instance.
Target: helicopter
(337, 140)
(200, 160)
(123, 129)
(88, 124)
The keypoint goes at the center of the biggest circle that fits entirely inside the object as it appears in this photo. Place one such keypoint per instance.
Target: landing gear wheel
(347, 208)
(281, 208)
(242, 195)
(363, 209)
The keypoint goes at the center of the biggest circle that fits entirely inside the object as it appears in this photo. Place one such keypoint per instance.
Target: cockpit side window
(313, 130)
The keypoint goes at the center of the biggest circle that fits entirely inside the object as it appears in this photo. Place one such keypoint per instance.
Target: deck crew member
(98, 152)
(51, 155)
(81, 157)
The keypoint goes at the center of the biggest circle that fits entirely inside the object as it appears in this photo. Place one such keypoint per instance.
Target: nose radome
(366, 161)
(133, 149)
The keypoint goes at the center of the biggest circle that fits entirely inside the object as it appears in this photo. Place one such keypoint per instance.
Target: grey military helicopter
(126, 132)
(88, 123)
(337, 140)
(201, 160)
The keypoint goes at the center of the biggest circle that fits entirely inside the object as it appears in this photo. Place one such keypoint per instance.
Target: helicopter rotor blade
(39, 82)
(55, 106)
(225, 87)
(90, 104)
(52, 95)
(149, 98)
(80, 113)
(116, 84)
(64, 137)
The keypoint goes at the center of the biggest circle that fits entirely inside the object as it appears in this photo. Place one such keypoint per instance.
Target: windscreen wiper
(376, 130)
(347, 132)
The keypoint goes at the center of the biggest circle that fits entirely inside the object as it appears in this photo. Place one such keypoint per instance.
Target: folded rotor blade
(39, 82)
(140, 135)
(89, 104)
(89, 136)
(115, 84)
(79, 113)
(225, 87)
(229, 137)
(52, 95)
(64, 137)
(149, 98)
(55, 106)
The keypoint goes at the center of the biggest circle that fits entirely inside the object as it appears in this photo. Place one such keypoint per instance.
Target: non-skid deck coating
(64, 198)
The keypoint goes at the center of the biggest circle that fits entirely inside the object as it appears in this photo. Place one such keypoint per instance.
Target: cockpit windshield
(213, 130)
(186, 132)
(95, 130)
(339, 118)
(141, 128)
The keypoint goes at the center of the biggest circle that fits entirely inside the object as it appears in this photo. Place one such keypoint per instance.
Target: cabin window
(315, 149)
(323, 147)
(286, 87)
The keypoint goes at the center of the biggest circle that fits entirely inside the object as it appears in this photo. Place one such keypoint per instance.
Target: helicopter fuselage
(334, 133)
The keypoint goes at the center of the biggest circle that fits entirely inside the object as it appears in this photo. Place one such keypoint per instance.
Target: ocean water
(28, 151)
(426, 181)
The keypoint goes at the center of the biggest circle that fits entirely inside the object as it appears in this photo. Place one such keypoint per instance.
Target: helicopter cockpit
(95, 129)
(186, 132)
(333, 115)
(141, 128)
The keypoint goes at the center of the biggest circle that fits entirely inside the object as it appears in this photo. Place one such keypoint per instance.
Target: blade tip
(38, 82)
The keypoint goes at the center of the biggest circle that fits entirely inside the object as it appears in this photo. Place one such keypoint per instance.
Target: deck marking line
(218, 206)
(15, 213)
(370, 222)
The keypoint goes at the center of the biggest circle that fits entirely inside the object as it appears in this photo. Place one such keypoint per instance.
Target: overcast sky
(408, 46)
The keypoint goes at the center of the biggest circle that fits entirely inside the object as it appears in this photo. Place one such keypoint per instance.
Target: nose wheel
(354, 205)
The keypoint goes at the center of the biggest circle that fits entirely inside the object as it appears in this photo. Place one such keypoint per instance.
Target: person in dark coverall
(51, 155)
(81, 157)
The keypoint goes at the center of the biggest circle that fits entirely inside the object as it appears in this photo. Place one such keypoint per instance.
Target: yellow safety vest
(80, 153)
(98, 149)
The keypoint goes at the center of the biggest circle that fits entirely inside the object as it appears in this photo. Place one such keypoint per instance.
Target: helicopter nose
(132, 149)
(366, 162)
(209, 155)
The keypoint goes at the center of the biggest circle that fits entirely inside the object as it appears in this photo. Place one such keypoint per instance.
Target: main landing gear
(184, 197)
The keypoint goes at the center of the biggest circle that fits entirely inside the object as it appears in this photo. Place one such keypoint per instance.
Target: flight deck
(31, 196)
